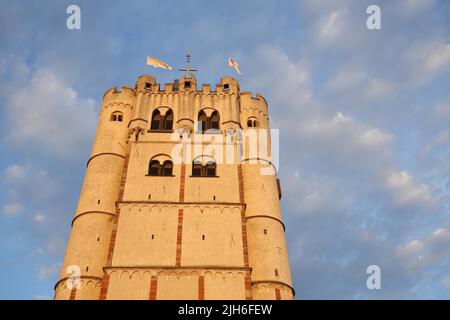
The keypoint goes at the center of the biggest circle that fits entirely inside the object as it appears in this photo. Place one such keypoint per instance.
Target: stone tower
(175, 204)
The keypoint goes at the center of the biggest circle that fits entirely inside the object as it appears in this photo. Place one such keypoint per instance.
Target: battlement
(187, 100)
(258, 102)
(148, 84)
(113, 94)
(257, 97)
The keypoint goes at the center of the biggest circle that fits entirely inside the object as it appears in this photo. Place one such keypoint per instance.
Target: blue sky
(364, 119)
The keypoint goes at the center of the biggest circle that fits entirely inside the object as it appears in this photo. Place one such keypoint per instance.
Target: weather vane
(188, 67)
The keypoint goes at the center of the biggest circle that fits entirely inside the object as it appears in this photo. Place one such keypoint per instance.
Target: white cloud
(438, 59)
(442, 110)
(331, 25)
(412, 248)
(441, 234)
(416, 6)
(290, 79)
(39, 217)
(46, 112)
(12, 209)
(47, 271)
(56, 244)
(315, 195)
(377, 88)
(407, 190)
(346, 137)
(15, 173)
(314, 129)
(432, 248)
(22, 181)
(435, 142)
(426, 59)
(346, 79)
(353, 187)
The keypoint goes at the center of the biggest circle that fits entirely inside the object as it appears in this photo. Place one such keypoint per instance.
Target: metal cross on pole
(188, 67)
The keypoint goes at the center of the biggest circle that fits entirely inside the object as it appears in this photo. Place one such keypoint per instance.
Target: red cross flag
(234, 64)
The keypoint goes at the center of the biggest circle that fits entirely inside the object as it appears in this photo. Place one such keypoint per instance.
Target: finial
(188, 69)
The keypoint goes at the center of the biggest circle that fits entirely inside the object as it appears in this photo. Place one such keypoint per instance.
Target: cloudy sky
(364, 119)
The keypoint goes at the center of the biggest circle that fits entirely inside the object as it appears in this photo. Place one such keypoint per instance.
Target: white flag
(234, 64)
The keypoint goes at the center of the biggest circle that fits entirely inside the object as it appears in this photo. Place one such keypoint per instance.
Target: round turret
(92, 225)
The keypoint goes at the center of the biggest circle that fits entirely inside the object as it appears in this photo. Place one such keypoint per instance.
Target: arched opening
(162, 122)
(207, 123)
(204, 170)
(153, 169)
(160, 167)
(202, 121)
(252, 122)
(210, 169)
(215, 120)
(167, 168)
(156, 120)
(197, 169)
(116, 116)
(168, 120)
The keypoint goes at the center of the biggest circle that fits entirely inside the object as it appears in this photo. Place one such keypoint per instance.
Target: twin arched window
(116, 116)
(165, 122)
(201, 170)
(157, 169)
(160, 122)
(207, 123)
(252, 123)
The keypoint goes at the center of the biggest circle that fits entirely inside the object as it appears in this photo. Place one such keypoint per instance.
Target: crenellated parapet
(186, 99)
(125, 95)
(254, 108)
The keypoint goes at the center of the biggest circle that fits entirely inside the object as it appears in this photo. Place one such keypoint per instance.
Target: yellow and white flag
(158, 63)
(234, 64)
